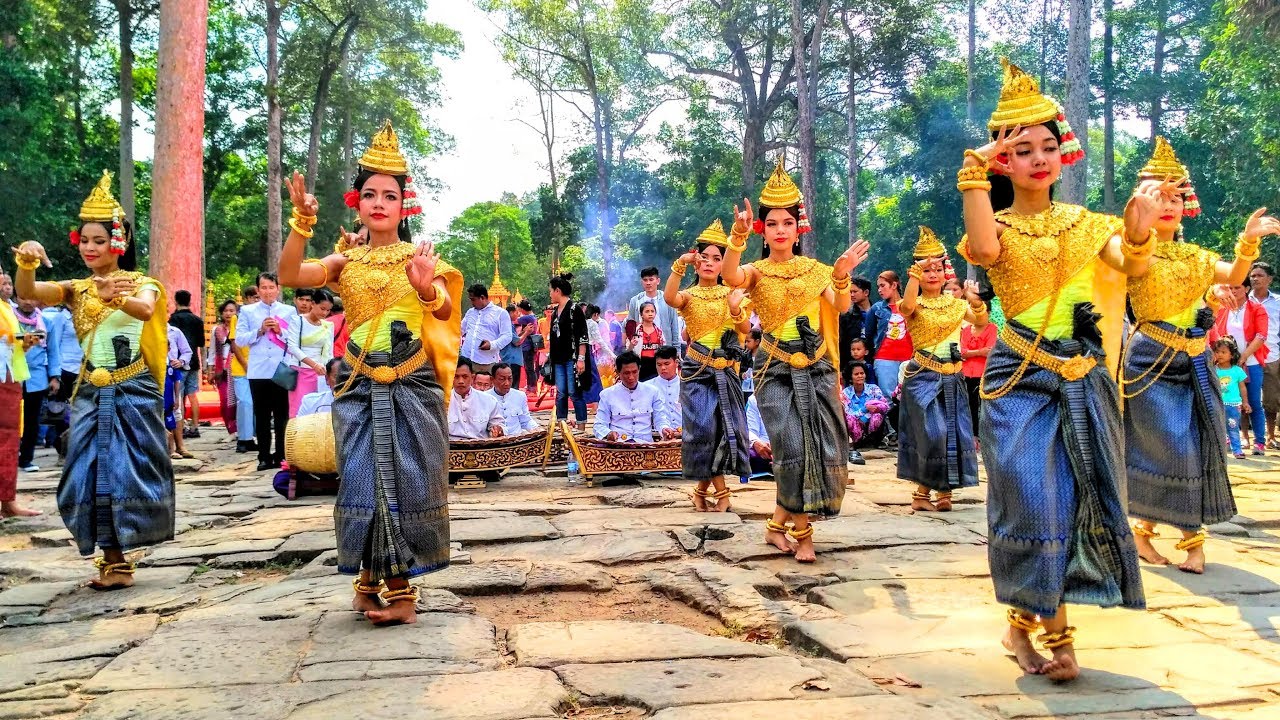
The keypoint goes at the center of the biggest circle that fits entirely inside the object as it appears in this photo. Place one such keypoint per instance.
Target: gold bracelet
(841, 284)
(678, 267)
(737, 243)
(971, 174)
(307, 220)
(433, 304)
(1131, 249)
(982, 159)
(978, 307)
(738, 317)
(984, 186)
(303, 231)
(26, 261)
(1246, 250)
(116, 303)
(325, 268)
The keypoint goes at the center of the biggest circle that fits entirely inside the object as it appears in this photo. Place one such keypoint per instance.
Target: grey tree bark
(1075, 179)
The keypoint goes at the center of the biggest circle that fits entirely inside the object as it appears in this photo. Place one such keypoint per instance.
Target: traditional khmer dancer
(116, 491)
(935, 428)
(1050, 423)
(798, 300)
(714, 420)
(389, 421)
(1174, 421)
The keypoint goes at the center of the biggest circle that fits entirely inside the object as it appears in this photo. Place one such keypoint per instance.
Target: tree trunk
(806, 93)
(327, 71)
(851, 123)
(177, 199)
(127, 196)
(752, 142)
(971, 93)
(1075, 180)
(1108, 109)
(275, 170)
(1156, 112)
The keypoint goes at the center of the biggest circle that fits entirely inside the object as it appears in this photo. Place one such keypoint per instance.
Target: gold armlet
(26, 261)
(433, 304)
(737, 242)
(325, 268)
(678, 267)
(305, 232)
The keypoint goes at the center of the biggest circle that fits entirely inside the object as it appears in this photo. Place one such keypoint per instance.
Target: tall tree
(1075, 181)
(275, 141)
(808, 60)
(1108, 108)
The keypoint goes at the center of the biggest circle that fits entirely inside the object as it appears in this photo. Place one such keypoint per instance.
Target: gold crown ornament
(1164, 164)
(1022, 103)
(101, 207)
(928, 246)
(384, 156)
(714, 235)
(780, 191)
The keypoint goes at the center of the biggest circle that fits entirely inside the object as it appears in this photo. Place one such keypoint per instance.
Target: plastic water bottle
(575, 477)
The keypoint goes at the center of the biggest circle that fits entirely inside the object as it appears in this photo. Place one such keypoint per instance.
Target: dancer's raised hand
(33, 249)
(304, 202)
(735, 300)
(743, 219)
(971, 291)
(851, 258)
(112, 288)
(1260, 224)
(1003, 142)
(421, 267)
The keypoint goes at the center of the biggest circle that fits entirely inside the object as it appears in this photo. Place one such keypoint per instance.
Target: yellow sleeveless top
(706, 313)
(96, 324)
(1175, 284)
(936, 323)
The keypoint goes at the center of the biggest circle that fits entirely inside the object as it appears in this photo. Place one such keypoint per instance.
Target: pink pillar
(177, 200)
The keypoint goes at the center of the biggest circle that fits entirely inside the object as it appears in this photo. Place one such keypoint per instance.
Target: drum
(309, 444)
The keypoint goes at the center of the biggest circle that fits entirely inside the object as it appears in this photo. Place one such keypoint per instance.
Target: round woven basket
(309, 445)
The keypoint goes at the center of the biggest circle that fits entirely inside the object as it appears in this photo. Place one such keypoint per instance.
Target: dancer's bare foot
(943, 503)
(922, 504)
(13, 509)
(804, 549)
(1018, 642)
(112, 576)
(699, 500)
(722, 500)
(1194, 562)
(1147, 551)
(402, 607)
(363, 603)
(1063, 666)
(776, 535)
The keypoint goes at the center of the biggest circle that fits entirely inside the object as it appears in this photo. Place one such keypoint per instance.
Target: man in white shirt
(473, 415)
(761, 454)
(668, 320)
(1260, 284)
(262, 327)
(486, 329)
(667, 383)
(321, 401)
(629, 411)
(513, 404)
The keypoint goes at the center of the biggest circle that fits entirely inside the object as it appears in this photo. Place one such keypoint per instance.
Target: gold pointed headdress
(383, 155)
(780, 191)
(928, 246)
(714, 235)
(1022, 103)
(101, 205)
(1164, 164)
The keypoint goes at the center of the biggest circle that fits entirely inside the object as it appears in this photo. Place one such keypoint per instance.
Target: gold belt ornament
(387, 374)
(797, 360)
(717, 363)
(929, 363)
(102, 377)
(1172, 340)
(1070, 369)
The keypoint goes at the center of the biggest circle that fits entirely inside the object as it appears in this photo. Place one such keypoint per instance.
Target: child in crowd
(1231, 380)
(647, 340)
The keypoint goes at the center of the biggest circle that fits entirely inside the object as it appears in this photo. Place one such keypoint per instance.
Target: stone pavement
(615, 601)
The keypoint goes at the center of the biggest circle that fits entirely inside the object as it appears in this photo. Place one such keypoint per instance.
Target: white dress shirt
(669, 390)
(490, 323)
(471, 417)
(755, 424)
(636, 414)
(264, 355)
(514, 407)
(316, 402)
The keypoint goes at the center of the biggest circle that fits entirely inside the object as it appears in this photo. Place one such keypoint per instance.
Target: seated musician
(667, 383)
(513, 404)
(630, 411)
(291, 482)
(473, 415)
(761, 453)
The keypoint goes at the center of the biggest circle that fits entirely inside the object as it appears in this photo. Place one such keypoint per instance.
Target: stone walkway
(615, 601)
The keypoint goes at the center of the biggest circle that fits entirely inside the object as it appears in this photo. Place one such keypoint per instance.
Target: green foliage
(470, 244)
